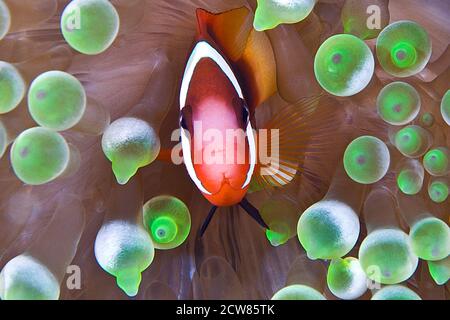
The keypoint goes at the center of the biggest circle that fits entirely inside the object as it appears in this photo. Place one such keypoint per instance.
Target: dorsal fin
(229, 30)
(249, 51)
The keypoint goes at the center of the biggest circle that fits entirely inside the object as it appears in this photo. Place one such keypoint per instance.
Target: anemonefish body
(213, 105)
(229, 72)
(214, 110)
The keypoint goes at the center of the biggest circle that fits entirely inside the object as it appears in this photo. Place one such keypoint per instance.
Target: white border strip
(187, 157)
(204, 50)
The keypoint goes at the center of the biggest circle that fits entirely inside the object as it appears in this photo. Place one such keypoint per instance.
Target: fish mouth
(226, 185)
(227, 195)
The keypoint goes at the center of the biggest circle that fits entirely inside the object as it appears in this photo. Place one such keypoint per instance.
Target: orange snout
(227, 196)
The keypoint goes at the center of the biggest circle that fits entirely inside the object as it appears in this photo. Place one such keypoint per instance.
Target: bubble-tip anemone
(39, 155)
(398, 103)
(386, 256)
(12, 87)
(403, 48)
(90, 26)
(346, 279)
(437, 161)
(430, 239)
(271, 13)
(298, 292)
(396, 292)
(366, 159)
(344, 65)
(168, 221)
(328, 229)
(124, 250)
(5, 19)
(440, 270)
(56, 100)
(25, 278)
(130, 143)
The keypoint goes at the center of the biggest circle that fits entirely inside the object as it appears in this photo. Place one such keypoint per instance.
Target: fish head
(219, 148)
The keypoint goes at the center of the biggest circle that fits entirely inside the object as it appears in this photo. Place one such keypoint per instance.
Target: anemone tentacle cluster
(344, 110)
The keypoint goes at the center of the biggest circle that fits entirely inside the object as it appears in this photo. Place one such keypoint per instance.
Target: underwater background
(50, 231)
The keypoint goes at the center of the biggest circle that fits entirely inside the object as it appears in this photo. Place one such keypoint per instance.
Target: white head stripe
(186, 147)
(204, 50)
(252, 149)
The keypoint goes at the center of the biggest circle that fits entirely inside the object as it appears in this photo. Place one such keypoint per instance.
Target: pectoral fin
(307, 132)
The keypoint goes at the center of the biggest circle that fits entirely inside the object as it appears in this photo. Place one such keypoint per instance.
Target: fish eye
(183, 122)
(245, 111)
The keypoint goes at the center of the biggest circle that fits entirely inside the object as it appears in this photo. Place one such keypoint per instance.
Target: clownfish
(229, 72)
